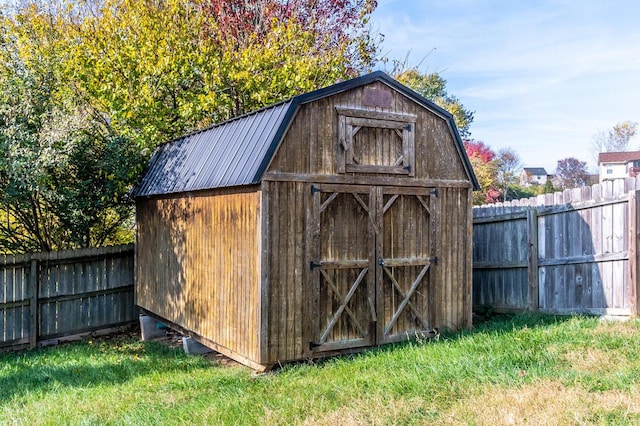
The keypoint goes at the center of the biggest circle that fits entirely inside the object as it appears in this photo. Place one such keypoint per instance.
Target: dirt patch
(174, 340)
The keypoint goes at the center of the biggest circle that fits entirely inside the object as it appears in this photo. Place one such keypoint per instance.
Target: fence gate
(372, 251)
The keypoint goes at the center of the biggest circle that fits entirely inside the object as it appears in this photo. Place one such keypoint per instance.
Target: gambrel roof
(238, 151)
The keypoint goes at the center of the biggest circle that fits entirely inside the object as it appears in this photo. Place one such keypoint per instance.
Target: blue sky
(543, 77)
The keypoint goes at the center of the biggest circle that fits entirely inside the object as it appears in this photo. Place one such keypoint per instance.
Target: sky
(542, 76)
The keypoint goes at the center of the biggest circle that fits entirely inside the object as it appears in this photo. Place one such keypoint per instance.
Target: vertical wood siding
(285, 254)
(310, 146)
(452, 287)
(303, 300)
(199, 265)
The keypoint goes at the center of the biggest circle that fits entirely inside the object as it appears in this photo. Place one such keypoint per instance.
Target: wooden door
(341, 265)
(371, 257)
(406, 255)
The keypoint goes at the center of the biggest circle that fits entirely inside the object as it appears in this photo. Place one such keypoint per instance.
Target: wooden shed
(334, 221)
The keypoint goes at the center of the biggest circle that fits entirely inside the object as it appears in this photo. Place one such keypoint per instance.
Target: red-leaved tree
(330, 22)
(485, 165)
(479, 149)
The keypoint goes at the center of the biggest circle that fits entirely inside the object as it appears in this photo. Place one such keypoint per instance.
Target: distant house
(533, 176)
(616, 165)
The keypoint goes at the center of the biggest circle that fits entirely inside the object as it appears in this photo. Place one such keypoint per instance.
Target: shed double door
(372, 254)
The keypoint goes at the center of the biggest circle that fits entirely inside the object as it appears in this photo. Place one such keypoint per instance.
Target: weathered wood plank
(376, 123)
(606, 257)
(634, 253)
(501, 264)
(372, 168)
(377, 115)
(532, 272)
(367, 180)
(507, 217)
(192, 278)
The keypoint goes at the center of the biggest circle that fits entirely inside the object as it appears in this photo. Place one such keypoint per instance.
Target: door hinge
(435, 192)
(434, 260)
(313, 345)
(313, 265)
(315, 189)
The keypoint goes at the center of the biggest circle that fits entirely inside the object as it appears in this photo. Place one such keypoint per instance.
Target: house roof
(535, 171)
(618, 157)
(237, 152)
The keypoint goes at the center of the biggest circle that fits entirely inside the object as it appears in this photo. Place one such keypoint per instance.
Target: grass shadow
(87, 364)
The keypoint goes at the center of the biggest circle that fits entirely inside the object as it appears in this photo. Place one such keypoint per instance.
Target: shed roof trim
(238, 151)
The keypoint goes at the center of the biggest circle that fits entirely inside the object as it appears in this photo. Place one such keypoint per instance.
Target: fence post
(634, 227)
(532, 267)
(34, 329)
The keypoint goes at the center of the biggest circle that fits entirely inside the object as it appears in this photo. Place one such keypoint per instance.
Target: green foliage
(517, 192)
(433, 87)
(548, 187)
(89, 87)
(66, 173)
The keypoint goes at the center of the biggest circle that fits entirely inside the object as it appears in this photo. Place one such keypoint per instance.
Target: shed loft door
(372, 253)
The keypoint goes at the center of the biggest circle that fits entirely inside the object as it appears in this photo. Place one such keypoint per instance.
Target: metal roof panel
(228, 154)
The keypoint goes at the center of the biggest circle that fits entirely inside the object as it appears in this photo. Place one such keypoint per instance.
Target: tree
(65, 176)
(479, 149)
(485, 166)
(615, 140)
(508, 163)
(433, 87)
(548, 187)
(572, 173)
(89, 87)
(330, 22)
(158, 69)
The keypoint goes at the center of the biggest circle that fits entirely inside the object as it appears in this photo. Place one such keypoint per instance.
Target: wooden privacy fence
(47, 296)
(569, 252)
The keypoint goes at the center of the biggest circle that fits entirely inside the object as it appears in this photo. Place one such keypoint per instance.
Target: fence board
(568, 252)
(68, 293)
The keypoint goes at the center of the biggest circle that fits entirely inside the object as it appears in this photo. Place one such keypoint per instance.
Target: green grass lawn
(510, 370)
